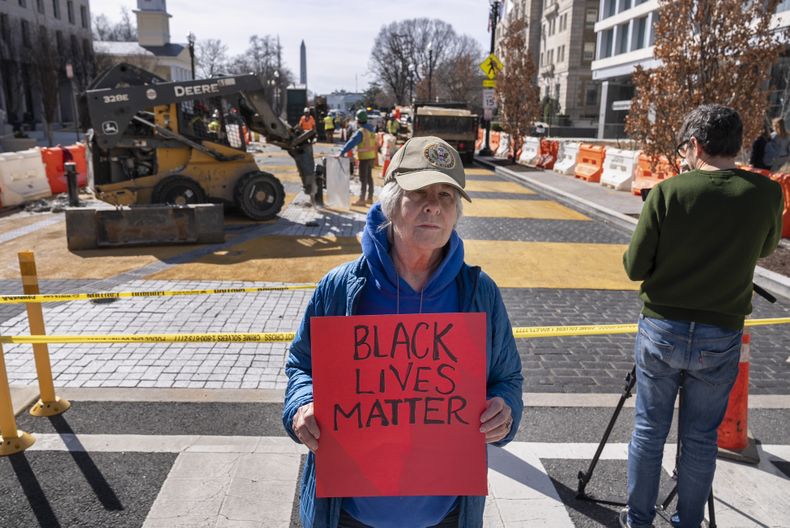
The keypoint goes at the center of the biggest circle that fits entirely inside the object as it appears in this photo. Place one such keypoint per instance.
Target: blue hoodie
(365, 286)
(440, 295)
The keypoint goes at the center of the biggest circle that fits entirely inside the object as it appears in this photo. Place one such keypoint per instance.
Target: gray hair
(391, 195)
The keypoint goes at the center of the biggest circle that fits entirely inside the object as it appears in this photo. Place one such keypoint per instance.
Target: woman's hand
(305, 427)
(496, 420)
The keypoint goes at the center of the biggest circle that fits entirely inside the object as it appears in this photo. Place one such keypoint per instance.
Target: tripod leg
(711, 511)
(584, 477)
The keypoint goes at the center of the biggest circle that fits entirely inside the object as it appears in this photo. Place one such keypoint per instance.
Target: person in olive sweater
(695, 249)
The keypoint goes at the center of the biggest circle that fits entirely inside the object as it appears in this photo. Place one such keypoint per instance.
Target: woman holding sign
(391, 405)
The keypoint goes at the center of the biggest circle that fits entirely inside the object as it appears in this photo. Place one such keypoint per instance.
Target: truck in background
(450, 121)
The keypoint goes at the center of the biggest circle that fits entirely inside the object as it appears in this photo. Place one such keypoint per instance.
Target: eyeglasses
(682, 149)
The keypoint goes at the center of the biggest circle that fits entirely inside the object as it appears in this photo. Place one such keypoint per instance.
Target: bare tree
(211, 57)
(264, 58)
(516, 91)
(123, 31)
(711, 51)
(46, 71)
(458, 78)
(400, 55)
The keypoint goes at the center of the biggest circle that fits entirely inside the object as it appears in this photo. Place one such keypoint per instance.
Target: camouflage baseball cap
(423, 161)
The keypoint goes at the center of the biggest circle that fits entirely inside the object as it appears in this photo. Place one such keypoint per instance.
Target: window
(5, 31)
(639, 29)
(557, 92)
(70, 11)
(553, 26)
(22, 3)
(591, 18)
(75, 47)
(561, 54)
(541, 57)
(656, 16)
(59, 40)
(607, 44)
(40, 6)
(25, 32)
(609, 7)
(589, 51)
(591, 95)
(563, 22)
(622, 38)
(551, 56)
(56, 8)
(784, 5)
(84, 16)
(625, 4)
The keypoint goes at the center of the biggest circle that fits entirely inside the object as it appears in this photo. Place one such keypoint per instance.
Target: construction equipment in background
(184, 142)
(450, 122)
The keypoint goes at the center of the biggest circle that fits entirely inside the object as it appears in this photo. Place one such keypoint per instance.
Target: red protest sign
(398, 400)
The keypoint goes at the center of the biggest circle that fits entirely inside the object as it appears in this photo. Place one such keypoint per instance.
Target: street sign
(491, 66)
(489, 99)
(69, 71)
(488, 114)
(489, 83)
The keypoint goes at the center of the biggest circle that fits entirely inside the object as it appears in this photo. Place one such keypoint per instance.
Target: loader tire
(178, 190)
(259, 195)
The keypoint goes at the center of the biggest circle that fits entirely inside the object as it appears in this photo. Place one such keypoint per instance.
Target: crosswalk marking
(245, 480)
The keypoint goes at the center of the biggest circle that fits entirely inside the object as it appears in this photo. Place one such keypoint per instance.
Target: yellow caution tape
(267, 337)
(280, 337)
(60, 297)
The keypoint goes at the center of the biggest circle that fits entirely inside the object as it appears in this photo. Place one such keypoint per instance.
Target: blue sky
(339, 35)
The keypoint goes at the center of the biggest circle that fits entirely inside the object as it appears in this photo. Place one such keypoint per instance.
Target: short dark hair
(718, 129)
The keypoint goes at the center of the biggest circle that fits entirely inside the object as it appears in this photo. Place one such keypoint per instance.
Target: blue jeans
(704, 358)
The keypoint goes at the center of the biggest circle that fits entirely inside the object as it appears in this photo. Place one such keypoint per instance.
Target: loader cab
(213, 119)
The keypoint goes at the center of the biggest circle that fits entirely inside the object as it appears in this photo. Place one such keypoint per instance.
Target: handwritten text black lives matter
(419, 389)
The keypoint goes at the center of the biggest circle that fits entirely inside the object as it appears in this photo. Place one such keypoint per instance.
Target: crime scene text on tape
(61, 297)
(280, 337)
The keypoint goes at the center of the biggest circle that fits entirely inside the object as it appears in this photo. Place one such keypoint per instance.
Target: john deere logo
(439, 156)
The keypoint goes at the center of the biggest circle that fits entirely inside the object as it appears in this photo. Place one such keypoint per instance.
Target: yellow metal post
(14, 440)
(48, 404)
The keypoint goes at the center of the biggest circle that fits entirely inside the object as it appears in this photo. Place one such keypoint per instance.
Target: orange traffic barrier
(493, 141)
(734, 429)
(589, 162)
(78, 157)
(54, 159)
(784, 181)
(548, 153)
(647, 175)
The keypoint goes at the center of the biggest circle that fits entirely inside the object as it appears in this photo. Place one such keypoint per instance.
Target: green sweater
(697, 242)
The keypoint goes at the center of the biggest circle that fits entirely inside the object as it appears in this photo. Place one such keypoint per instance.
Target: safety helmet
(362, 116)
(306, 110)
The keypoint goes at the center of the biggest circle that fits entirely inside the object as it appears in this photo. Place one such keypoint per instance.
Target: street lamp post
(430, 72)
(493, 19)
(191, 44)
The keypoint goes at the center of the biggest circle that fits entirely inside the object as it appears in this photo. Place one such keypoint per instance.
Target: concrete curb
(775, 283)
(26, 395)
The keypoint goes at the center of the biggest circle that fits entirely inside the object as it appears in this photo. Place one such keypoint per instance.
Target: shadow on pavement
(32, 489)
(90, 471)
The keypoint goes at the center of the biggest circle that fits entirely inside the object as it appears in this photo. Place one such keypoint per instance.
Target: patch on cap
(438, 156)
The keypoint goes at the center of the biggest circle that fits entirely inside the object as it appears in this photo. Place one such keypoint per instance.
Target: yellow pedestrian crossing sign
(491, 66)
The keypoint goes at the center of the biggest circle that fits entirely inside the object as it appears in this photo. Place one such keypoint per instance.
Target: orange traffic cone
(734, 440)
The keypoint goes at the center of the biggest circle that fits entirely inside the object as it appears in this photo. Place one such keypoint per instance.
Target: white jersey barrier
(504, 146)
(22, 177)
(619, 167)
(530, 152)
(338, 183)
(566, 158)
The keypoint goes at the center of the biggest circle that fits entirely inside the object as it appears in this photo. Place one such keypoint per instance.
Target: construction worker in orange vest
(307, 122)
(365, 141)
